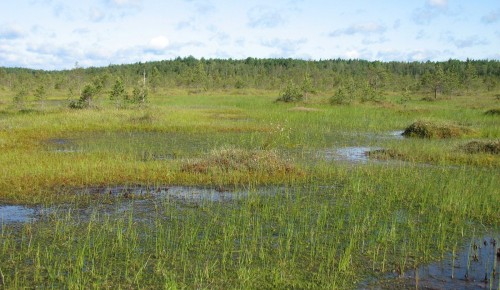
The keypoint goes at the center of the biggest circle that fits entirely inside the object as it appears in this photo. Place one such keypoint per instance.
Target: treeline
(199, 75)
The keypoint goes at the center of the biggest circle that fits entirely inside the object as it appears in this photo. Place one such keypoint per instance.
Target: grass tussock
(232, 159)
(436, 130)
(490, 147)
(493, 112)
(386, 154)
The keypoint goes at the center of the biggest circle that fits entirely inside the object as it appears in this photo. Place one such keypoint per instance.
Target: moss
(436, 130)
(490, 147)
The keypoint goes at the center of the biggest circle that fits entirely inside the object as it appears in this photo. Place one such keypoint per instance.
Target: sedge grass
(327, 225)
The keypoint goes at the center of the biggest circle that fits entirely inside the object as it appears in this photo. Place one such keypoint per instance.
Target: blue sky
(55, 34)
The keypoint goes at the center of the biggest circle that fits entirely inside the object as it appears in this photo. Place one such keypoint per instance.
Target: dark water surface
(472, 266)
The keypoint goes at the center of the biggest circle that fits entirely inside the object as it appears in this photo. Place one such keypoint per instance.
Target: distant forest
(450, 77)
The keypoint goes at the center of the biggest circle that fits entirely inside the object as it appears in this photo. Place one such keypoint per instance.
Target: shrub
(139, 94)
(341, 97)
(118, 91)
(86, 96)
(291, 93)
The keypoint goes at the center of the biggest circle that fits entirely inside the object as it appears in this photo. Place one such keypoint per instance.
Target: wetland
(231, 189)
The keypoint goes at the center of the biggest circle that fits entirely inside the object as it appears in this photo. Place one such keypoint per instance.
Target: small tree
(346, 93)
(291, 93)
(470, 78)
(239, 84)
(118, 93)
(40, 94)
(341, 97)
(154, 79)
(368, 93)
(140, 94)
(89, 92)
(85, 100)
(434, 81)
(307, 86)
(200, 77)
(19, 98)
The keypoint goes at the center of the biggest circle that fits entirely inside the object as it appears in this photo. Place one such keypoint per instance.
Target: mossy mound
(490, 147)
(230, 159)
(435, 130)
(493, 112)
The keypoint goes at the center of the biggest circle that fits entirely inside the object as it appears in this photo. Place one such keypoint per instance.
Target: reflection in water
(474, 266)
(16, 213)
(352, 154)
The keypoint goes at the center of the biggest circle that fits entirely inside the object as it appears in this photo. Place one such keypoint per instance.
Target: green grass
(320, 224)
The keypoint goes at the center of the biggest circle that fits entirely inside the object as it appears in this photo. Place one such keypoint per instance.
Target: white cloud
(432, 9)
(8, 31)
(421, 34)
(492, 17)
(470, 41)
(352, 54)
(125, 2)
(286, 47)
(438, 3)
(361, 28)
(265, 17)
(396, 24)
(413, 55)
(96, 15)
(370, 41)
(159, 42)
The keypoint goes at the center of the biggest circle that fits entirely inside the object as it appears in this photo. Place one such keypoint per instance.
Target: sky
(63, 34)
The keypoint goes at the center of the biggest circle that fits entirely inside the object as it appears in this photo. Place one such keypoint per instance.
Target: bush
(118, 92)
(291, 93)
(341, 97)
(139, 94)
(87, 95)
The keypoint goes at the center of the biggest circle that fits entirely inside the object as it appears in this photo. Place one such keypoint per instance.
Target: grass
(304, 221)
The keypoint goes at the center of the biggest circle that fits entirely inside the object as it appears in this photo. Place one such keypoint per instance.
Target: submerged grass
(296, 237)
